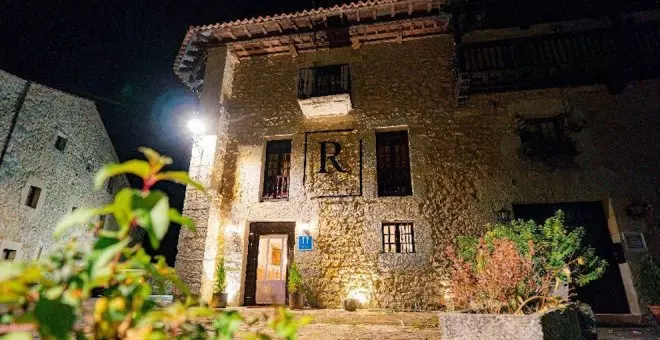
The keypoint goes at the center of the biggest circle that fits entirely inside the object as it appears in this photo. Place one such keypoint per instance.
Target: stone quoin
(414, 163)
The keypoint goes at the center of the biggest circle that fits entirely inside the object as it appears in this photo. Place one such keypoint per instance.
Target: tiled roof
(362, 12)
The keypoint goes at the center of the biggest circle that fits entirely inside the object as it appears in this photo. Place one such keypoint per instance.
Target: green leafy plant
(650, 281)
(220, 278)
(52, 297)
(294, 281)
(517, 267)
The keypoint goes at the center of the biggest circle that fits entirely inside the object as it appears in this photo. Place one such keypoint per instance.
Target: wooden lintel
(279, 27)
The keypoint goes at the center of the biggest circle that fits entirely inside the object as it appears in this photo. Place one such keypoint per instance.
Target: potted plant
(294, 284)
(650, 286)
(219, 294)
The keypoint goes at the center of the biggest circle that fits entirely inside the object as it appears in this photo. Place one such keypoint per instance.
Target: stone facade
(40, 115)
(464, 165)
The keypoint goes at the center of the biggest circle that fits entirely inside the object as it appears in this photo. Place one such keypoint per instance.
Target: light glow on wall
(359, 294)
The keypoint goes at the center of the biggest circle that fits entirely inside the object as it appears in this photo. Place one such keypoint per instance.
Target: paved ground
(389, 325)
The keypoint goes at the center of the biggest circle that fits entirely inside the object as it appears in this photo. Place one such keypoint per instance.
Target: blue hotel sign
(305, 243)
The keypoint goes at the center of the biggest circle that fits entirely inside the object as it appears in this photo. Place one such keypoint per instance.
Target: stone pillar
(197, 251)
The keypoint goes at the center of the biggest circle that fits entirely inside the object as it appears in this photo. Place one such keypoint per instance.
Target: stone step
(359, 317)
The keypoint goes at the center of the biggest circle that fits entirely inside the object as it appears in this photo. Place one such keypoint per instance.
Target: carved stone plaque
(333, 163)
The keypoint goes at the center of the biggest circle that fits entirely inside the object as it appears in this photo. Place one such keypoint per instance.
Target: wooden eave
(366, 21)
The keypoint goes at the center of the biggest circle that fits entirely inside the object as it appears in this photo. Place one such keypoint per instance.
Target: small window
(276, 174)
(543, 138)
(393, 164)
(398, 238)
(33, 197)
(89, 167)
(74, 209)
(60, 143)
(8, 254)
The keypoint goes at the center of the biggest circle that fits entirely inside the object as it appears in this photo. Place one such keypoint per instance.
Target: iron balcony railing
(324, 81)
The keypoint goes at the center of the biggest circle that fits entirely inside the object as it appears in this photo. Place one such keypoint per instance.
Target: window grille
(324, 81)
(277, 167)
(398, 238)
(393, 164)
(8, 254)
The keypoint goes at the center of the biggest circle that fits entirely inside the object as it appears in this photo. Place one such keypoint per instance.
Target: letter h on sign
(305, 243)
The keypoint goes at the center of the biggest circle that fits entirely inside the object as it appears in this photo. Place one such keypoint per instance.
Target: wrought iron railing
(324, 81)
(276, 187)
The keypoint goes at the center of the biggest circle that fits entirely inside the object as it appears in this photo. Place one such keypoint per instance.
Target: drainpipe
(14, 119)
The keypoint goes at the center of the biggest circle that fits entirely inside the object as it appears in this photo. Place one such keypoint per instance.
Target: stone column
(197, 251)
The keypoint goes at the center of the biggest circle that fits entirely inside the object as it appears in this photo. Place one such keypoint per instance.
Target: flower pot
(219, 300)
(656, 312)
(295, 300)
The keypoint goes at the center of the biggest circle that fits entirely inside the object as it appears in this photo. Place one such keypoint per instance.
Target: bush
(48, 297)
(516, 267)
(294, 282)
(650, 282)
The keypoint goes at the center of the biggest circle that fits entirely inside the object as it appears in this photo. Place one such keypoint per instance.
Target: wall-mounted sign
(634, 241)
(333, 163)
(305, 243)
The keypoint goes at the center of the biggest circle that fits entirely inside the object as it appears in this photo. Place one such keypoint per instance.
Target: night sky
(120, 53)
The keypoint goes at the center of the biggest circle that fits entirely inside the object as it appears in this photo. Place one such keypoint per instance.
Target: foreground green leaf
(136, 167)
(55, 318)
(180, 177)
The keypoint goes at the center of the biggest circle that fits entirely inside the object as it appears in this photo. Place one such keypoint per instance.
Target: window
(60, 143)
(324, 81)
(33, 197)
(73, 209)
(542, 138)
(398, 238)
(393, 164)
(8, 254)
(276, 175)
(89, 167)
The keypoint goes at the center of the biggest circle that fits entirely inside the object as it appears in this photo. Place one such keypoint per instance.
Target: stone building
(52, 145)
(360, 140)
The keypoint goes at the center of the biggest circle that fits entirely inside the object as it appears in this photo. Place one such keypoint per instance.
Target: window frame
(276, 146)
(388, 138)
(33, 191)
(398, 244)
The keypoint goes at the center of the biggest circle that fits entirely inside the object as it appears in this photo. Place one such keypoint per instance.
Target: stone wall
(464, 164)
(65, 177)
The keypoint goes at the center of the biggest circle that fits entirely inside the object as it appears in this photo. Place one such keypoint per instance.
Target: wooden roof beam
(293, 24)
(279, 27)
(247, 31)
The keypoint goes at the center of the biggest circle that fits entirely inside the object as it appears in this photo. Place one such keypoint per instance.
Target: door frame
(256, 229)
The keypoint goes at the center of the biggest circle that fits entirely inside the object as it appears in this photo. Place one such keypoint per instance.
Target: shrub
(48, 297)
(650, 282)
(220, 278)
(294, 282)
(516, 267)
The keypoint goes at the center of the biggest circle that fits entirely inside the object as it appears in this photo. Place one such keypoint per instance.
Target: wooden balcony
(574, 58)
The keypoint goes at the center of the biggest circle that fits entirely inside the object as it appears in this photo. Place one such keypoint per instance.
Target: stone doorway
(270, 246)
(606, 295)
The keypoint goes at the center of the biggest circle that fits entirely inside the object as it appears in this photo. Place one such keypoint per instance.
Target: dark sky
(120, 52)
